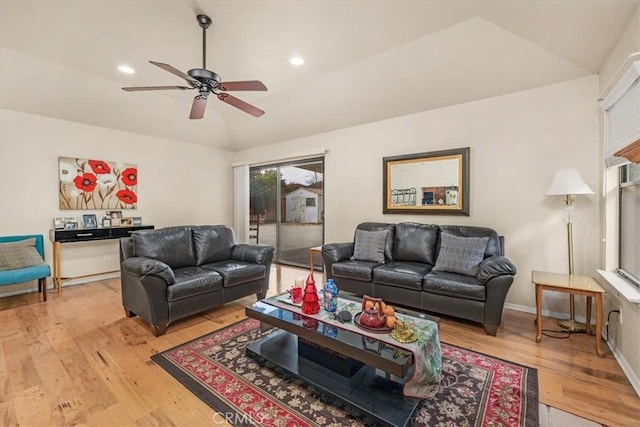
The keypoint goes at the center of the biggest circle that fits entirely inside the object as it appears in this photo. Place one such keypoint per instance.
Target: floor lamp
(568, 183)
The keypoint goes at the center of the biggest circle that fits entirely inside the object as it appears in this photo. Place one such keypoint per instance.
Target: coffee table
(364, 373)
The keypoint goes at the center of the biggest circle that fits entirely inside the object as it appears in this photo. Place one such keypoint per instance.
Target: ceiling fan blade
(243, 85)
(138, 88)
(198, 107)
(238, 103)
(175, 71)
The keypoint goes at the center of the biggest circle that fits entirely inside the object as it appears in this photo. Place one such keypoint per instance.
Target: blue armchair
(21, 275)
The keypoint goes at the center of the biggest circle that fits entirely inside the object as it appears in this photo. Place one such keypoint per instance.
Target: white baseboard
(546, 313)
(27, 289)
(631, 376)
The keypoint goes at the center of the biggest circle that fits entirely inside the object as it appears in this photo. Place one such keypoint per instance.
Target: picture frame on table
(126, 222)
(70, 223)
(58, 222)
(115, 216)
(106, 222)
(137, 220)
(89, 221)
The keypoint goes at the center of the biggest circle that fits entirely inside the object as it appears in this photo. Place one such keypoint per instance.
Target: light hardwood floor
(77, 360)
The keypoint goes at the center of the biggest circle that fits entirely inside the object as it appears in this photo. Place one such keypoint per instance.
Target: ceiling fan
(207, 83)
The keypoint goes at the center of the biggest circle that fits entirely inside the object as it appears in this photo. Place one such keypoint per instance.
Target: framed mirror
(427, 183)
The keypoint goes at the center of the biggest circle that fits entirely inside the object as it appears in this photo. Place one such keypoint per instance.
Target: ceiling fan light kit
(207, 82)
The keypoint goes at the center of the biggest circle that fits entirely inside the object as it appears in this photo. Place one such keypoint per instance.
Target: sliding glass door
(287, 209)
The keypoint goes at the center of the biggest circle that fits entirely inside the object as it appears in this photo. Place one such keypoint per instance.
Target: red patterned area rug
(476, 389)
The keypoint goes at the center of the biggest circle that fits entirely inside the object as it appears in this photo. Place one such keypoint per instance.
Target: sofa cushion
(191, 281)
(171, 245)
(460, 254)
(369, 246)
(378, 226)
(212, 243)
(415, 242)
(493, 245)
(237, 272)
(453, 285)
(356, 270)
(402, 274)
(20, 254)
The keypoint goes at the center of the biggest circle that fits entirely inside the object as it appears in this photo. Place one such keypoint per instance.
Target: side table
(316, 250)
(574, 285)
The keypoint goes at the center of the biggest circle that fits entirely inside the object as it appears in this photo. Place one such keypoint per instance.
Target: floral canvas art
(97, 184)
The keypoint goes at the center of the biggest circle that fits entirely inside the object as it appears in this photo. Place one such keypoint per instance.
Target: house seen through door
(286, 209)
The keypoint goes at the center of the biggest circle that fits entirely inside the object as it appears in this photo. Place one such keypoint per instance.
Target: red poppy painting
(97, 184)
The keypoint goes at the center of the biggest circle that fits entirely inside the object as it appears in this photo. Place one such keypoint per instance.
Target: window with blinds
(622, 113)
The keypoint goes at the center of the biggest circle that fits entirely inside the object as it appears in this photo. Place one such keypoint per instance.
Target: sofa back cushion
(171, 245)
(380, 226)
(415, 242)
(493, 244)
(212, 243)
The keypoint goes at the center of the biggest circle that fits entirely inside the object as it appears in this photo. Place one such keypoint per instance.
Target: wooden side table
(316, 250)
(574, 285)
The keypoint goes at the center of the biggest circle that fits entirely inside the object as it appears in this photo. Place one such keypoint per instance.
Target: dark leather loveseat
(413, 268)
(174, 272)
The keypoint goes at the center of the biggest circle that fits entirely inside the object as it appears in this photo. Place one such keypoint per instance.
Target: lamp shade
(568, 181)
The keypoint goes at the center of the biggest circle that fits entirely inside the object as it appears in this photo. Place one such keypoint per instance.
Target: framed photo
(70, 223)
(137, 220)
(58, 222)
(126, 222)
(106, 222)
(89, 221)
(115, 217)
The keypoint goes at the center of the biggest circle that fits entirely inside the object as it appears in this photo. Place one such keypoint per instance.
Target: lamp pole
(571, 324)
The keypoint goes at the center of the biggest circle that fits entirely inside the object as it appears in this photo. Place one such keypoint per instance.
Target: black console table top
(87, 234)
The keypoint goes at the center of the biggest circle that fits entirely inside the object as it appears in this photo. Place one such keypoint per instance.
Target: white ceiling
(365, 60)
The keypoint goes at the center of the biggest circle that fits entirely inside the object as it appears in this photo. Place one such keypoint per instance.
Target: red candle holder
(310, 302)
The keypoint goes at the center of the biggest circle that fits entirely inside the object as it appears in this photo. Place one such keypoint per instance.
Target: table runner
(427, 355)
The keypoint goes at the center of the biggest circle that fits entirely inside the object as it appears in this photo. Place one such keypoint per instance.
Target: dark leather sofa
(174, 272)
(407, 276)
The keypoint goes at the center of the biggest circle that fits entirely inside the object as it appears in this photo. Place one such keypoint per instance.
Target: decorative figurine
(310, 301)
(330, 298)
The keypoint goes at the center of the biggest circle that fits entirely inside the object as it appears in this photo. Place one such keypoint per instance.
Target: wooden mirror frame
(446, 194)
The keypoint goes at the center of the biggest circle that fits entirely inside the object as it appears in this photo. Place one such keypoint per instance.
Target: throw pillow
(20, 254)
(369, 246)
(460, 254)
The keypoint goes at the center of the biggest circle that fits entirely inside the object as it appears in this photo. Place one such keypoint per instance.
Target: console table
(60, 236)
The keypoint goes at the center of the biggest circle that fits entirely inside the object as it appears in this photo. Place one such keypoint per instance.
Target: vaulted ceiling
(365, 60)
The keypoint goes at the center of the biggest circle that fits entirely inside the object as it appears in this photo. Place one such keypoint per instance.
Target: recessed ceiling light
(297, 61)
(126, 69)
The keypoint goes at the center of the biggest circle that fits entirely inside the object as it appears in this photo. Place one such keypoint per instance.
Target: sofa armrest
(257, 254)
(140, 267)
(495, 266)
(336, 252)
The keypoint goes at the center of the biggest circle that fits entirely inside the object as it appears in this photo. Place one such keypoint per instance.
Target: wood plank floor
(77, 360)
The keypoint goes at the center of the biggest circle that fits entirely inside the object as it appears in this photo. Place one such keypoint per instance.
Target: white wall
(179, 183)
(629, 43)
(517, 142)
